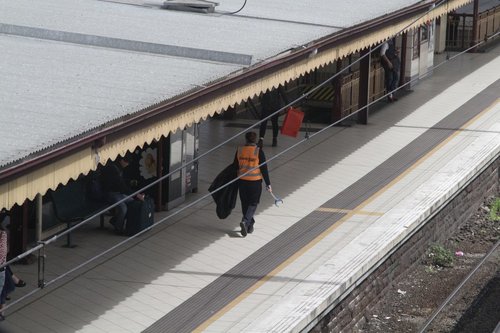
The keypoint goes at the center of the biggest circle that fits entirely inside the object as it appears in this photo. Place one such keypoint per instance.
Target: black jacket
(225, 198)
(112, 179)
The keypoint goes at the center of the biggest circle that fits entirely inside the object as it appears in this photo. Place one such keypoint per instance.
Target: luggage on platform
(140, 215)
(293, 121)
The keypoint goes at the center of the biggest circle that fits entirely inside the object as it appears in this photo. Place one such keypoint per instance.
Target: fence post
(41, 266)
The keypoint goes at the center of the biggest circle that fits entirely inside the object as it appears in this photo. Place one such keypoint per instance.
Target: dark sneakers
(250, 228)
(243, 229)
(391, 99)
(20, 284)
(260, 143)
(275, 142)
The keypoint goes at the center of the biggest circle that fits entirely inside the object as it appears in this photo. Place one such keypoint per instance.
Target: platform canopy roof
(83, 81)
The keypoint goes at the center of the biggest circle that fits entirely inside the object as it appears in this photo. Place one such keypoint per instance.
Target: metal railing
(460, 28)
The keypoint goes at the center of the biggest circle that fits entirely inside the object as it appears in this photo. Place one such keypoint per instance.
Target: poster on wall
(147, 163)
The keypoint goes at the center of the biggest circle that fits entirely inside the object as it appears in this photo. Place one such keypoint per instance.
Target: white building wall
(440, 35)
(420, 53)
(431, 46)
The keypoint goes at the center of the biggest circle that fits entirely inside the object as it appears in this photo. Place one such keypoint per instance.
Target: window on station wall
(424, 33)
(416, 44)
(345, 63)
(431, 35)
(353, 61)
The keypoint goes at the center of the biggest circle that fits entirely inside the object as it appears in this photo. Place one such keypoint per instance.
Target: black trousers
(274, 122)
(250, 192)
(391, 79)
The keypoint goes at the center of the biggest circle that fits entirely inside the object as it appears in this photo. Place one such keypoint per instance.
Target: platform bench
(72, 204)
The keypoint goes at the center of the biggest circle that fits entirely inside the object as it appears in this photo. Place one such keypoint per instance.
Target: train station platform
(350, 195)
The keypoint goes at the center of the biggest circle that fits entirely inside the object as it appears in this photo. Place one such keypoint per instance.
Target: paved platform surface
(350, 195)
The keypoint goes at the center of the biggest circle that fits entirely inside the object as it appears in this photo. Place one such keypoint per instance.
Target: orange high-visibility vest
(248, 158)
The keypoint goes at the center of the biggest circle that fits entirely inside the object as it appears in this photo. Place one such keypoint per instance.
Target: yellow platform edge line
(346, 211)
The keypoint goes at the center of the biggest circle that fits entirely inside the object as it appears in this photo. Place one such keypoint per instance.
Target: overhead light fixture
(313, 53)
(201, 6)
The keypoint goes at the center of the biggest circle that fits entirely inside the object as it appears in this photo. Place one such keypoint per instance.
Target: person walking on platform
(391, 64)
(270, 103)
(248, 158)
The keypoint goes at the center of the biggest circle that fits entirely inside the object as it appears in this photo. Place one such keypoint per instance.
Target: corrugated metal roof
(53, 89)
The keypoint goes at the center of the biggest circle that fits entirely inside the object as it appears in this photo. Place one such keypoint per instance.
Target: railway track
(462, 298)
(479, 291)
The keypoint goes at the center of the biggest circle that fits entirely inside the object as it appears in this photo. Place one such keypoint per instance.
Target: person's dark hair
(251, 137)
(4, 220)
(123, 158)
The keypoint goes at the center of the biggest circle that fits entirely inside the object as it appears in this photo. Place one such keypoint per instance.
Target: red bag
(292, 122)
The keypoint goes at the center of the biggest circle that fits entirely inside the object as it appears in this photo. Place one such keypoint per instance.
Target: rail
(458, 288)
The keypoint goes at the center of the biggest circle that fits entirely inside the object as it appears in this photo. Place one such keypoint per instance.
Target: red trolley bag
(292, 122)
(140, 215)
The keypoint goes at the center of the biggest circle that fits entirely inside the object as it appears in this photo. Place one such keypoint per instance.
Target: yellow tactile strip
(346, 211)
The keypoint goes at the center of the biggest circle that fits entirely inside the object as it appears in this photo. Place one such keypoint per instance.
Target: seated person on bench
(116, 189)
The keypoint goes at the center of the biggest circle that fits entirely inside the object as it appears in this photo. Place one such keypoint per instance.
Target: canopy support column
(364, 85)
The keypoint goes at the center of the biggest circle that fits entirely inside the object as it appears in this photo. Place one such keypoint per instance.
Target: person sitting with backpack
(116, 189)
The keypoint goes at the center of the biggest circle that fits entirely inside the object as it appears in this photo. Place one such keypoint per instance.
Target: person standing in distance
(248, 158)
(270, 103)
(391, 64)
